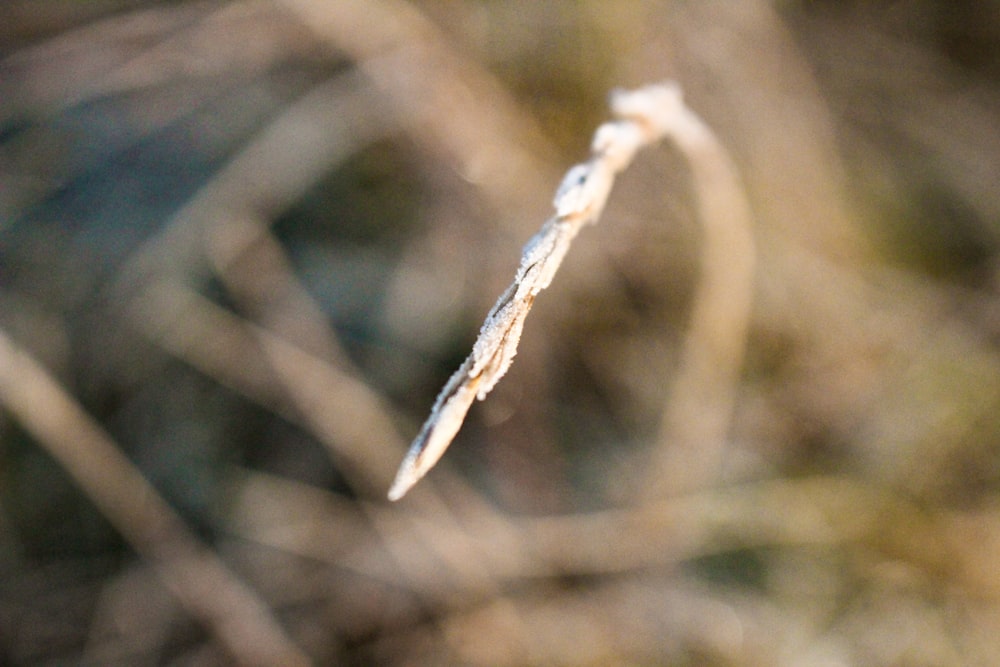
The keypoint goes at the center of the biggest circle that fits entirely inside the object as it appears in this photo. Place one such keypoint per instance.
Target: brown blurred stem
(696, 418)
(193, 573)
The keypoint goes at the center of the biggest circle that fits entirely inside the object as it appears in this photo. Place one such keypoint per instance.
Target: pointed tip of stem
(411, 470)
(403, 483)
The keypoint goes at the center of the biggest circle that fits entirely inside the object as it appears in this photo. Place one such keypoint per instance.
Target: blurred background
(244, 243)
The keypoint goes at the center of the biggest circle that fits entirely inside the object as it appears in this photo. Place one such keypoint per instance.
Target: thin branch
(644, 116)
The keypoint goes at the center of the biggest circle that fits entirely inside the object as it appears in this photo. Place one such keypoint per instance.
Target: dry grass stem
(325, 397)
(699, 407)
(762, 422)
(458, 110)
(643, 117)
(192, 572)
(322, 128)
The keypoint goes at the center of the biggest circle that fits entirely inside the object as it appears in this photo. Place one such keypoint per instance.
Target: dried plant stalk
(196, 575)
(643, 117)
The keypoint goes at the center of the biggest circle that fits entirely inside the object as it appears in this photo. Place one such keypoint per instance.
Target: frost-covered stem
(642, 117)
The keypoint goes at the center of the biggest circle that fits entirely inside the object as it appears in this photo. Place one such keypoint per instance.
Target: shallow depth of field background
(251, 240)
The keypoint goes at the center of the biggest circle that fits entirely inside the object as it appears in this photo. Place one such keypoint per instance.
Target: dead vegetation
(243, 245)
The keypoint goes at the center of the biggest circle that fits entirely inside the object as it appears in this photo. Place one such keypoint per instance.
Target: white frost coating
(537, 249)
(488, 355)
(658, 106)
(643, 117)
(584, 190)
(541, 260)
(571, 193)
(618, 142)
(496, 346)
